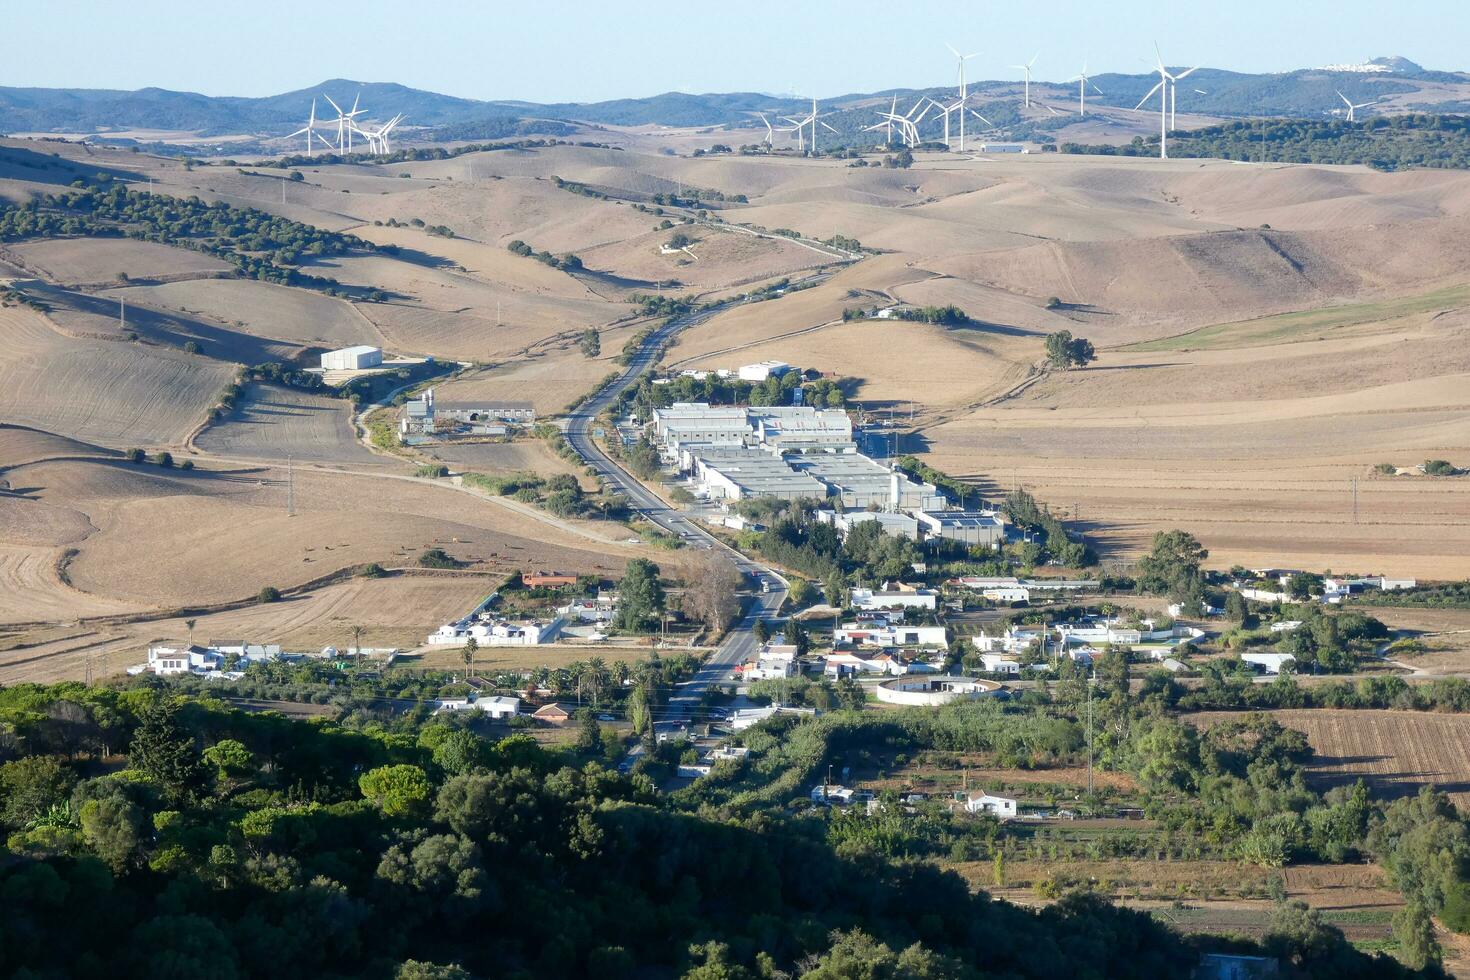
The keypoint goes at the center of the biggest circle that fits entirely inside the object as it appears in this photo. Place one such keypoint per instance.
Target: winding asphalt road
(740, 643)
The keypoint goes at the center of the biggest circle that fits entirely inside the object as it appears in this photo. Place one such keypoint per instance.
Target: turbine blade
(1149, 95)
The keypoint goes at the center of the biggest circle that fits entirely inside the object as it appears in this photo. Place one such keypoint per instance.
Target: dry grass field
(273, 422)
(1395, 752)
(79, 261)
(115, 393)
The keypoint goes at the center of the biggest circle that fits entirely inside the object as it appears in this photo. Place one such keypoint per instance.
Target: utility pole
(290, 489)
(1355, 500)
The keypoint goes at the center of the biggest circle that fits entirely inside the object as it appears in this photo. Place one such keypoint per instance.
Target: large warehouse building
(352, 359)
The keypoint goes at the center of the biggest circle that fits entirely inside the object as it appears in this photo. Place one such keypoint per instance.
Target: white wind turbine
(813, 120)
(770, 139)
(1164, 83)
(309, 130)
(964, 95)
(1027, 69)
(1352, 108)
(1174, 92)
(345, 124)
(1082, 82)
(378, 138)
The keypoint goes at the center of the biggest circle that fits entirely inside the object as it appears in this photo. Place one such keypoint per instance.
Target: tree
(639, 709)
(471, 647)
(589, 735)
(189, 625)
(398, 791)
(33, 785)
(230, 758)
(762, 630)
(591, 342)
(112, 828)
(1172, 566)
(164, 751)
(1064, 351)
(640, 597)
(461, 751)
(164, 459)
(712, 595)
(420, 970)
(268, 593)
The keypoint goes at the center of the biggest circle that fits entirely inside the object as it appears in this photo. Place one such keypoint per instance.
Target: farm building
(996, 806)
(932, 690)
(1270, 663)
(357, 358)
(423, 418)
(762, 370)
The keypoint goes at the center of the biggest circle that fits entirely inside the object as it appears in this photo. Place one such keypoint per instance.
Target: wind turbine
(1163, 89)
(1082, 82)
(378, 138)
(813, 120)
(309, 130)
(345, 123)
(770, 139)
(1027, 69)
(964, 95)
(1353, 109)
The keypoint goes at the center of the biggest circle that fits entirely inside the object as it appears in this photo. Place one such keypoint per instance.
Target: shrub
(437, 558)
(135, 456)
(433, 471)
(1385, 469)
(268, 593)
(1053, 303)
(187, 464)
(1440, 467)
(191, 347)
(371, 570)
(164, 459)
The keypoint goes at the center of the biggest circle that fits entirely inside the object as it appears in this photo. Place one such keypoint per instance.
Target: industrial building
(734, 473)
(352, 359)
(423, 419)
(972, 527)
(861, 483)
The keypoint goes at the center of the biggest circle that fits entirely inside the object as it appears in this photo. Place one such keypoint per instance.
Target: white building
(994, 663)
(932, 690)
(974, 527)
(496, 633)
(1271, 663)
(894, 525)
(599, 609)
(352, 358)
(895, 596)
(499, 707)
(169, 660)
(743, 718)
(995, 806)
(762, 370)
(889, 635)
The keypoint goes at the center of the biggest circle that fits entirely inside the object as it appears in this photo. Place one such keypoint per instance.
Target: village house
(889, 635)
(1001, 807)
(554, 713)
(895, 595)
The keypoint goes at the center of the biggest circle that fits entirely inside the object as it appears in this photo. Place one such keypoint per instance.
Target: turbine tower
(1082, 82)
(964, 95)
(1174, 93)
(1027, 69)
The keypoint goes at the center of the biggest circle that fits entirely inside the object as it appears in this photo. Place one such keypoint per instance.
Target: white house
(831, 794)
(599, 609)
(168, 660)
(1285, 626)
(1006, 593)
(848, 664)
(776, 661)
(499, 707)
(1271, 663)
(356, 358)
(995, 806)
(889, 635)
(994, 663)
(496, 633)
(895, 596)
(1265, 595)
(743, 718)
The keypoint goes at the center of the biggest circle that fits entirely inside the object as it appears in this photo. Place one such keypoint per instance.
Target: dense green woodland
(168, 836)
(1382, 142)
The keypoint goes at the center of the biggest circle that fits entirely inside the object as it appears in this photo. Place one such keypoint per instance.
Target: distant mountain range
(1207, 91)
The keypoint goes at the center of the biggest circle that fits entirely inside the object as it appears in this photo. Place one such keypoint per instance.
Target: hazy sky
(547, 51)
